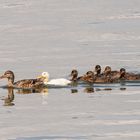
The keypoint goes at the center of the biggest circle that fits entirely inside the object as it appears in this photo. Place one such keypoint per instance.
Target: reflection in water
(92, 89)
(74, 90)
(89, 90)
(8, 101)
(122, 88)
(29, 91)
(45, 93)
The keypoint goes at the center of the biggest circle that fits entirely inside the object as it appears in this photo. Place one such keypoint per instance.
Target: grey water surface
(58, 36)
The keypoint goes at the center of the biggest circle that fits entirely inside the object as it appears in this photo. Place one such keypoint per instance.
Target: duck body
(58, 82)
(28, 83)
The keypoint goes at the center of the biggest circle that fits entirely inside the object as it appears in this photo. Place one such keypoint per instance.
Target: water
(57, 36)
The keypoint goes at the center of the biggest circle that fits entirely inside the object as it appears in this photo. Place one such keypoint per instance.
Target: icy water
(57, 36)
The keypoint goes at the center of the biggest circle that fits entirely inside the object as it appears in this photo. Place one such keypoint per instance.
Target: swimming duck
(56, 82)
(88, 77)
(128, 76)
(109, 73)
(74, 75)
(26, 83)
(98, 70)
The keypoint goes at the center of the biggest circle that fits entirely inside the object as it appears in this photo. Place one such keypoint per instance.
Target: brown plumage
(98, 70)
(88, 77)
(128, 76)
(26, 83)
(74, 75)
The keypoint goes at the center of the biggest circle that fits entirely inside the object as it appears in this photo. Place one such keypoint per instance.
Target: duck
(128, 76)
(98, 70)
(88, 77)
(108, 71)
(56, 82)
(25, 83)
(75, 78)
(74, 75)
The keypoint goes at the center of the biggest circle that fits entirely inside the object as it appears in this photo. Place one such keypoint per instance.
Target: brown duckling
(108, 71)
(74, 75)
(98, 70)
(128, 76)
(88, 77)
(26, 83)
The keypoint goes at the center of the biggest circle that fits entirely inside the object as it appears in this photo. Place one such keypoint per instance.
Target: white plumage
(61, 82)
(57, 82)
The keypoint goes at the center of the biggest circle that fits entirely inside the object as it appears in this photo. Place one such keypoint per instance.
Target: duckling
(88, 77)
(74, 75)
(108, 71)
(98, 70)
(111, 74)
(26, 83)
(128, 76)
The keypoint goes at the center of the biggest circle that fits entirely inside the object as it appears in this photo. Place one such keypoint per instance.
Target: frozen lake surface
(58, 36)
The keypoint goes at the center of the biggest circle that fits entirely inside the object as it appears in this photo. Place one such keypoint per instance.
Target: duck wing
(28, 83)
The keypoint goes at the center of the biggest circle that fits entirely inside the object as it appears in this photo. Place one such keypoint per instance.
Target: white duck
(56, 82)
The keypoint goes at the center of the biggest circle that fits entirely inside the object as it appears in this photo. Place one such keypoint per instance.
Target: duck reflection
(89, 90)
(8, 101)
(74, 90)
(44, 93)
(30, 90)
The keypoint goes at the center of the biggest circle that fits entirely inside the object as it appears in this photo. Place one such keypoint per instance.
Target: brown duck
(88, 77)
(97, 70)
(26, 83)
(128, 76)
(74, 75)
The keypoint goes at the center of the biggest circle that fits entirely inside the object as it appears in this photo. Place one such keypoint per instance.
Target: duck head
(74, 75)
(107, 70)
(122, 73)
(90, 76)
(98, 69)
(44, 77)
(10, 76)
